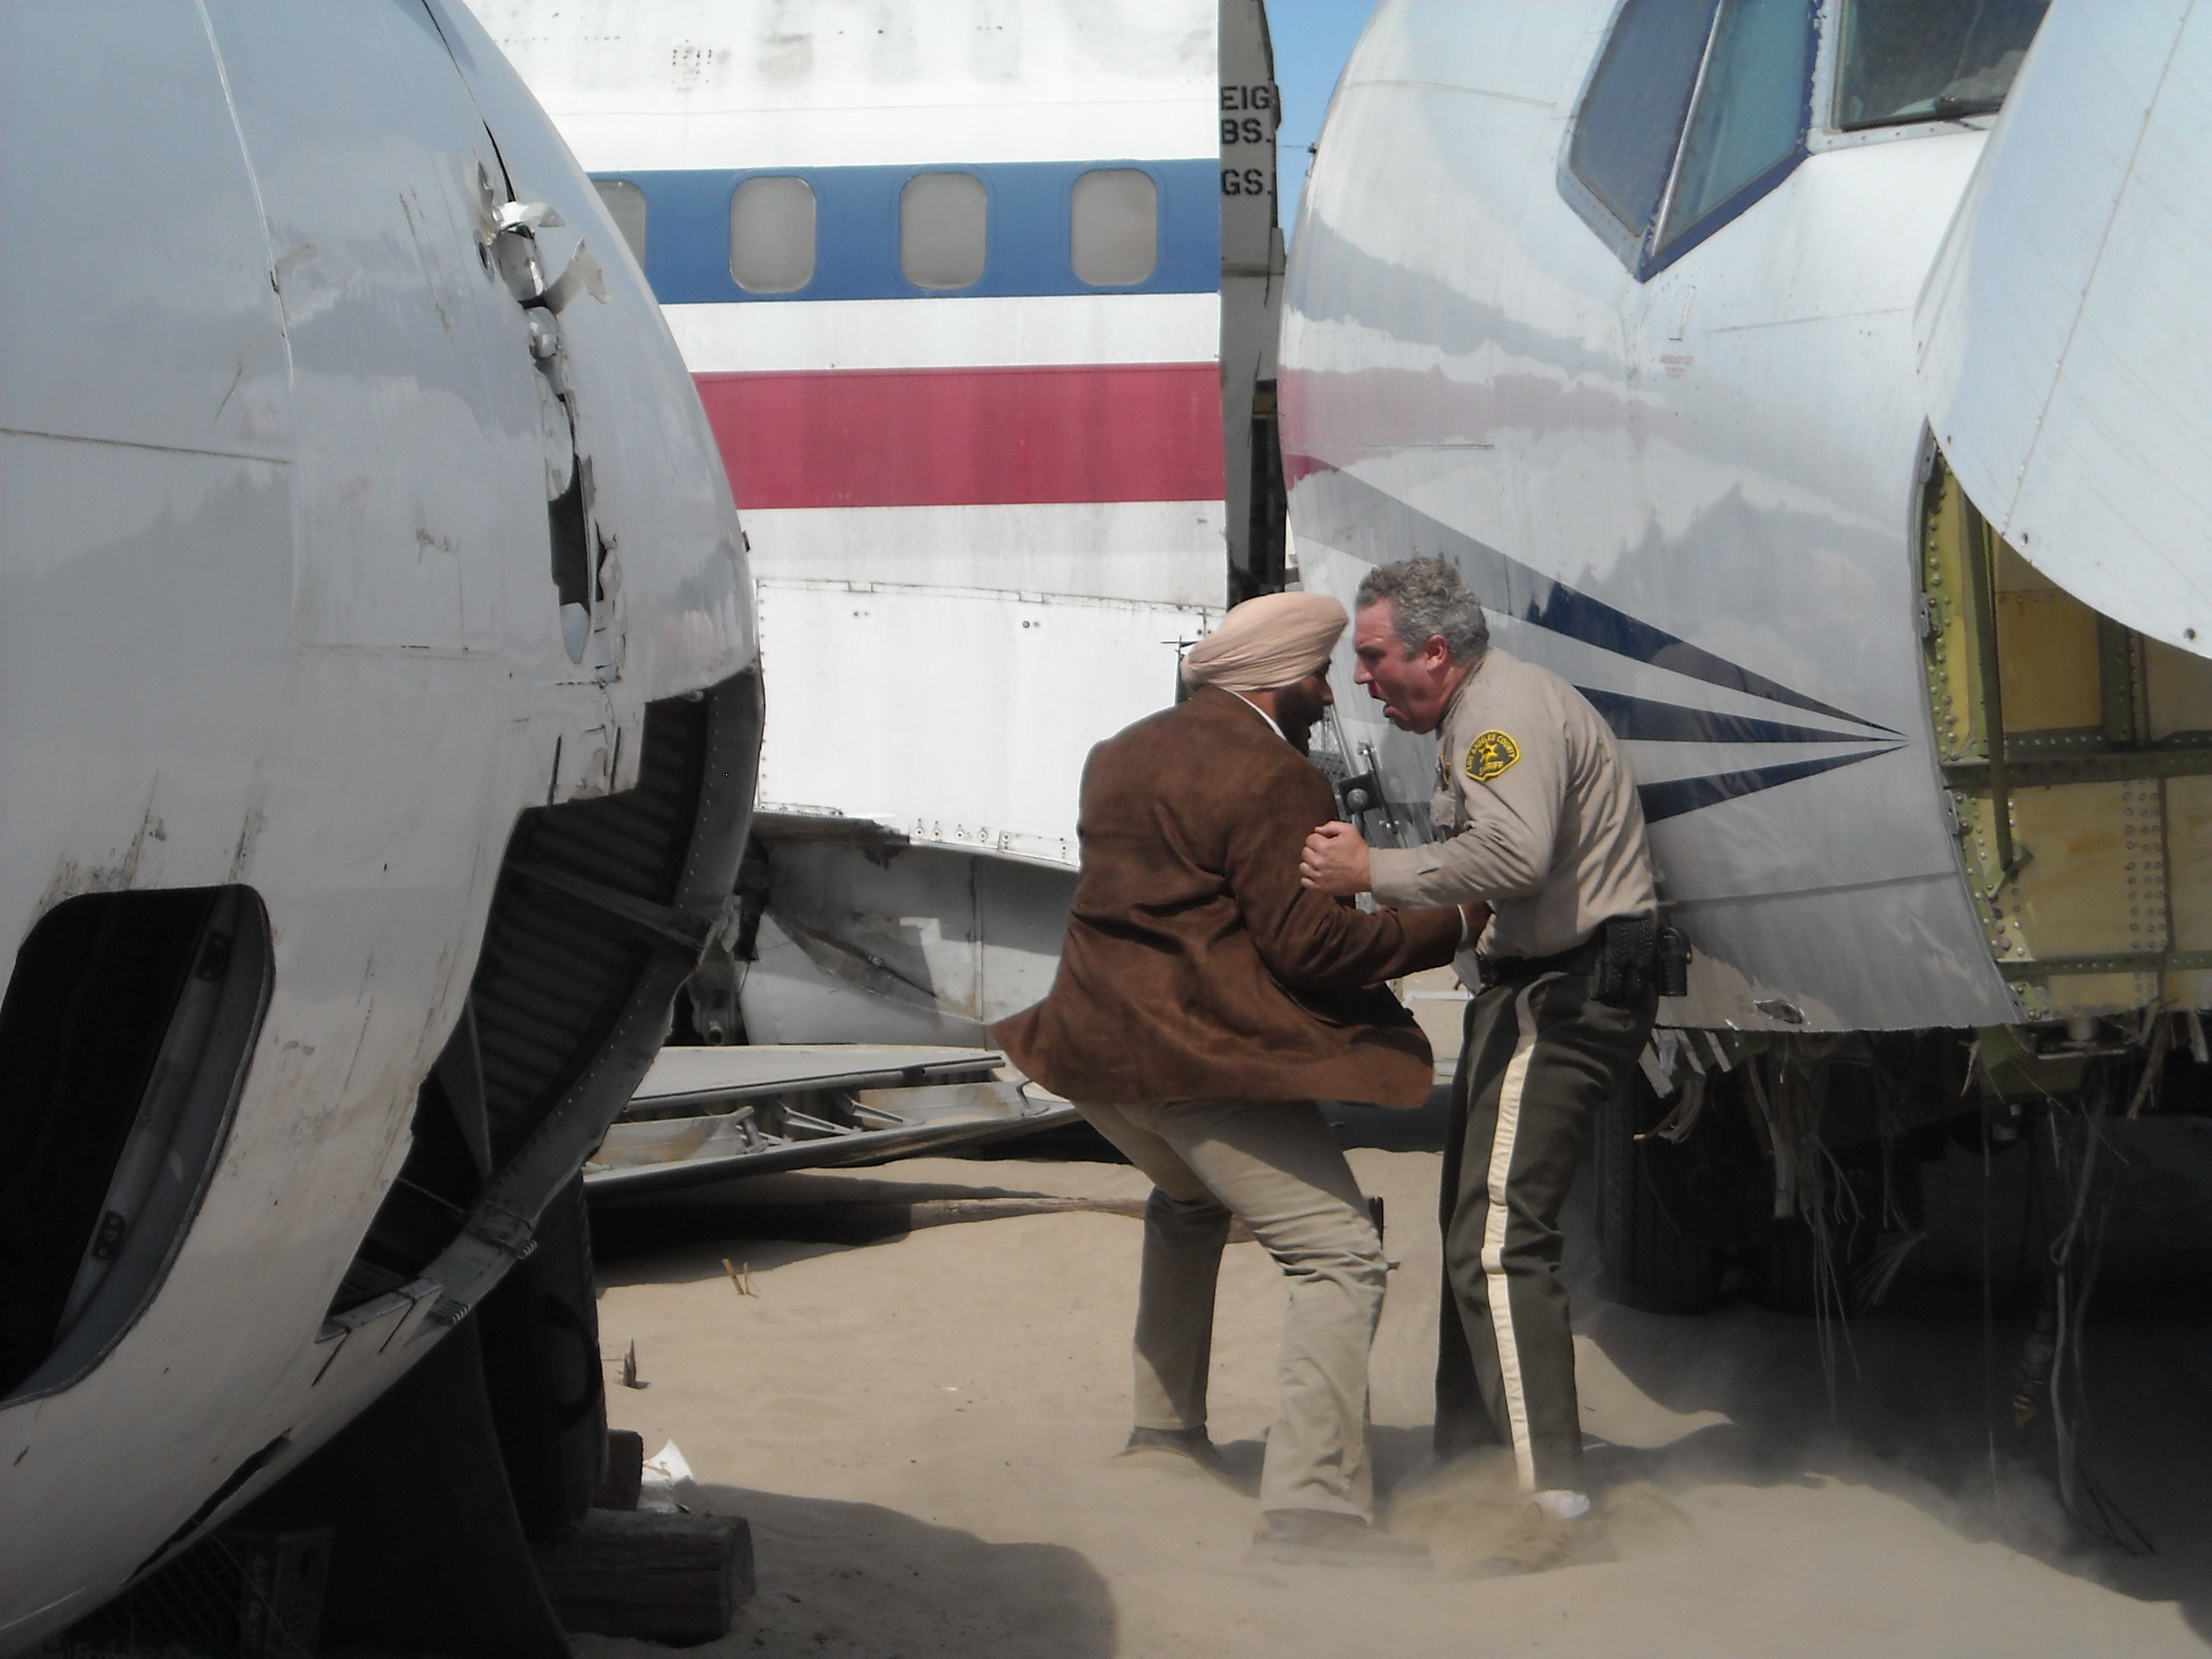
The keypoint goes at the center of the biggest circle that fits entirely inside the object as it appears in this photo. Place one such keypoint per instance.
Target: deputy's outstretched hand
(1334, 861)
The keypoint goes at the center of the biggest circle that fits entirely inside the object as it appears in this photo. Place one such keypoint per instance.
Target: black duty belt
(1519, 970)
(1627, 958)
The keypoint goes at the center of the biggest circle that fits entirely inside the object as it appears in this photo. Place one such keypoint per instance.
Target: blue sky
(1312, 39)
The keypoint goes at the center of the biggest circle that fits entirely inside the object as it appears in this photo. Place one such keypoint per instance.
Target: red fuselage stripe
(962, 437)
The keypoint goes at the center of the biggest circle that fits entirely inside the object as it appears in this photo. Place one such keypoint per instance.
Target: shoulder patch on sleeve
(1491, 756)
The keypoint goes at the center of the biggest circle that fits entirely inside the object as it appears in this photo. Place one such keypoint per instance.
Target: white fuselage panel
(2064, 354)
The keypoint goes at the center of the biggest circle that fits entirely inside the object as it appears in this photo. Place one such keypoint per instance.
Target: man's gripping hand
(1335, 861)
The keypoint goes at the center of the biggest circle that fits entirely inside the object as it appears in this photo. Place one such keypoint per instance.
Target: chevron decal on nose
(1703, 756)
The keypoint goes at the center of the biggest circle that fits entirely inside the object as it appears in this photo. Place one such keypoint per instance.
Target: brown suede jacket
(1196, 966)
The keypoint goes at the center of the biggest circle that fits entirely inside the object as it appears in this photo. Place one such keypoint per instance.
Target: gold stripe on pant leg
(1509, 1090)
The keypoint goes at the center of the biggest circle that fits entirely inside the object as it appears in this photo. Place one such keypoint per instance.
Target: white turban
(1274, 641)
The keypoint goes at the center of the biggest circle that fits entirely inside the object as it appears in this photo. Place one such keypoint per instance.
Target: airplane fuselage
(357, 508)
(1657, 401)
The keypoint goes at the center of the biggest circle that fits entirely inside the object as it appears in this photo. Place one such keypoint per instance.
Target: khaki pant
(1274, 1166)
(1539, 1059)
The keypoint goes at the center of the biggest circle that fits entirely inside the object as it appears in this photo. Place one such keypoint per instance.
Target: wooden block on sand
(671, 1578)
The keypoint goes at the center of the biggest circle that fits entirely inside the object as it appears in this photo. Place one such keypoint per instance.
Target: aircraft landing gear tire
(1648, 1262)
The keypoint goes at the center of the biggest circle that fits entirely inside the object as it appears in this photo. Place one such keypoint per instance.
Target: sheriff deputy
(1535, 815)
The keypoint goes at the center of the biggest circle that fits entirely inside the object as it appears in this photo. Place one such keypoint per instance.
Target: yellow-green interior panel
(1954, 680)
(2084, 796)
(2189, 860)
(2054, 636)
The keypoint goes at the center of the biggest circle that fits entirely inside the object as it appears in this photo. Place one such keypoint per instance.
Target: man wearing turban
(1205, 1001)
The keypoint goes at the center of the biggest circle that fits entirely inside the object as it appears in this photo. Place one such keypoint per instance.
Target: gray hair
(1427, 598)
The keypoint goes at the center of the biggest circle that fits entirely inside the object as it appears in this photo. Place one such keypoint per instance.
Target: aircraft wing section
(2064, 356)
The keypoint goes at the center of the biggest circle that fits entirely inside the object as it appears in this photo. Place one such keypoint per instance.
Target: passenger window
(943, 221)
(1626, 133)
(1928, 60)
(625, 205)
(772, 234)
(1114, 230)
(1751, 107)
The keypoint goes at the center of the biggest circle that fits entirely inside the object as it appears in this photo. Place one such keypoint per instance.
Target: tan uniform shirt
(1534, 813)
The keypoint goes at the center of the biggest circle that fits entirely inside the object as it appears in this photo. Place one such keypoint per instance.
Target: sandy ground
(919, 1430)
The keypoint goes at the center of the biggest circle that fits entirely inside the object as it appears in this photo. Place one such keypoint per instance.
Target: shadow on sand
(859, 1580)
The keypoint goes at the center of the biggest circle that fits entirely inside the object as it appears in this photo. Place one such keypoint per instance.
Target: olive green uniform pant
(1274, 1165)
(1538, 1057)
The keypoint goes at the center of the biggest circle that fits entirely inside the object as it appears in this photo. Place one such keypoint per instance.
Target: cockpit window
(1695, 110)
(1929, 60)
(1750, 109)
(1624, 137)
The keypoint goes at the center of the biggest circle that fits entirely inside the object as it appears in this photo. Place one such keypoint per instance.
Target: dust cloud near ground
(918, 1413)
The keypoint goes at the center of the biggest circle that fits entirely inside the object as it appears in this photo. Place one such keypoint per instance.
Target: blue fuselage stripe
(1645, 719)
(687, 232)
(1678, 795)
(1576, 615)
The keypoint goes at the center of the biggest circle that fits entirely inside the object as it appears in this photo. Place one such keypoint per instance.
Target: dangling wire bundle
(2076, 1254)
(1806, 1174)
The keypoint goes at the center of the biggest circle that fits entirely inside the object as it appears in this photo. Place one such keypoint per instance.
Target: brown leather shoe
(1324, 1538)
